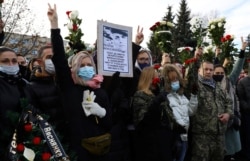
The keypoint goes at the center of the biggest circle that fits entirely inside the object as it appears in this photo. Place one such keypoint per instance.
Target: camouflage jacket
(140, 105)
(146, 114)
(211, 103)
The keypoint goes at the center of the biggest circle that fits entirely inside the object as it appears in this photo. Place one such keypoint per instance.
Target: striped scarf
(209, 82)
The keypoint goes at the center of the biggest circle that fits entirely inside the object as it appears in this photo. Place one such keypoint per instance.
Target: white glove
(94, 109)
(86, 109)
(87, 97)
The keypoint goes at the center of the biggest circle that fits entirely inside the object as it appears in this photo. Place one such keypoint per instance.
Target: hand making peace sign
(52, 15)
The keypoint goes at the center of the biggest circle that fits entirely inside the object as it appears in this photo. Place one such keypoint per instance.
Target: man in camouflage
(210, 121)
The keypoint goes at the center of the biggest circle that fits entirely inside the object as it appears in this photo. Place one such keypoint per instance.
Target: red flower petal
(157, 23)
(20, 147)
(68, 12)
(228, 37)
(157, 66)
(75, 27)
(28, 127)
(46, 156)
(36, 140)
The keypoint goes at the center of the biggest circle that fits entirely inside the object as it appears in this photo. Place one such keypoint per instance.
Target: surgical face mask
(9, 69)
(175, 86)
(218, 78)
(143, 65)
(86, 72)
(49, 66)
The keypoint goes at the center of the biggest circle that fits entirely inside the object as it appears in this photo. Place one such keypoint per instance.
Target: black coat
(12, 89)
(45, 97)
(72, 95)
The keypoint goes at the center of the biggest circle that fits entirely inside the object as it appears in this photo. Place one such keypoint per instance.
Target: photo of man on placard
(114, 48)
(116, 37)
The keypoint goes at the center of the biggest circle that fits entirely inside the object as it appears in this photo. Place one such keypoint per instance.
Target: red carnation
(152, 28)
(228, 37)
(223, 39)
(155, 81)
(75, 27)
(157, 66)
(191, 60)
(28, 127)
(20, 147)
(36, 140)
(46, 156)
(187, 49)
(157, 23)
(68, 12)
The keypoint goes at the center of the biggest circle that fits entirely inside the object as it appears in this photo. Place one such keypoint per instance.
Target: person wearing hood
(12, 90)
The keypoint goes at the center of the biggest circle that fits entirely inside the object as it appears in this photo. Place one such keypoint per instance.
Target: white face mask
(49, 66)
(9, 69)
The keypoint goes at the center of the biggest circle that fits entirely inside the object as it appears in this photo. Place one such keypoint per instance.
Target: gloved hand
(159, 98)
(94, 109)
(87, 97)
(195, 88)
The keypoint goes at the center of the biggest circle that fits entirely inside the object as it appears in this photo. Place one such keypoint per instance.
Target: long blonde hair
(76, 64)
(145, 80)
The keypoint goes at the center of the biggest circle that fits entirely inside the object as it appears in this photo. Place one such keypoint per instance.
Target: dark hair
(122, 32)
(4, 49)
(207, 62)
(19, 55)
(220, 66)
(40, 51)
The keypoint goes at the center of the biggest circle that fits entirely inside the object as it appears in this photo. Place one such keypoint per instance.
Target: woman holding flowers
(85, 103)
(154, 136)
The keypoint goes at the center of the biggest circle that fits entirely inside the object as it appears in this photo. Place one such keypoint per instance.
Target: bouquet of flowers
(75, 33)
(163, 35)
(227, 45)
(216, 29)
(198, 29)
(185, 53)
(208, 53)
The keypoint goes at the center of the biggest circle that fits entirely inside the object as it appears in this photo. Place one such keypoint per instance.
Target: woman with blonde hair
(86, 105)
(154, 136)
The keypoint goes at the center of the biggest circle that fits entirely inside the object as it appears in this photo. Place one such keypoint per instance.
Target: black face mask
(218, 78)
(23, 70)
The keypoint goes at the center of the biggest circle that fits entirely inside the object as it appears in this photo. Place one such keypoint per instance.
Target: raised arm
(63, 72)
(238, 66)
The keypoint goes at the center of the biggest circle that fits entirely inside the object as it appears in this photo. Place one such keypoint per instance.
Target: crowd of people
(150, 116)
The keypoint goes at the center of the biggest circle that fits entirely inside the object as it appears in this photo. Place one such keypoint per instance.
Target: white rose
(70, 25)
(193, 29)
(163, 22)
(219, 24)
(212, 27)
(170, 24)
(73, 15)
